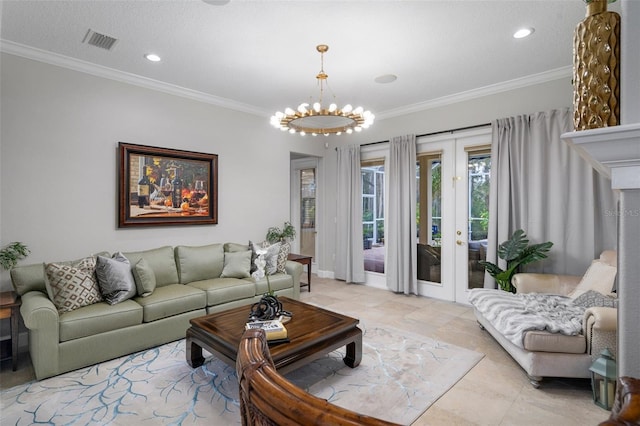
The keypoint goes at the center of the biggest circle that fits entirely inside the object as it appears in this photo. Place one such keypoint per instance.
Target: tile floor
(495, 392)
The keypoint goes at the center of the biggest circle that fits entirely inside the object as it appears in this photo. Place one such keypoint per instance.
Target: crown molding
(148, 83)
(492, 89)
(124, 77)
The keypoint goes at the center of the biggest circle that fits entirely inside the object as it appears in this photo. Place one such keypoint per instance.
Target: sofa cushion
(276, 281)
(170, 300)
(72, 286)
(115, 278)
(199, 263)
(99, 318)
(145, 278)
(161, 261)
(599, 277)
(237, 264)
(222, 290)
(543, 341)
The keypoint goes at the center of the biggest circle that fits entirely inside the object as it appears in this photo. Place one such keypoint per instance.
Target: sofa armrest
(545, 283)
(40, 316)
(295, 270)
(601, 318)
(600, 325)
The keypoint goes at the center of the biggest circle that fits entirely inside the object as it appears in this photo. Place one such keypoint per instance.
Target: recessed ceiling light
(523, 32)
(152, 57)
(386, 78)
(216, 2)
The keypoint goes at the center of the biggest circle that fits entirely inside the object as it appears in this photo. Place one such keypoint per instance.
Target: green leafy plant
(10, 255)
(275, 234)
(517, 252)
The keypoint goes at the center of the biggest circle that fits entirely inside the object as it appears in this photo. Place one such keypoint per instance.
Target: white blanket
(514, 314)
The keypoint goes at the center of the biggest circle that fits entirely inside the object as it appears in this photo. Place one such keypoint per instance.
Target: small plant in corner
(10, 255)
(517, 252)
(275, 234)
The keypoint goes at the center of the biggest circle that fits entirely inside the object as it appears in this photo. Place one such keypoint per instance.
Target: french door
(453, 173)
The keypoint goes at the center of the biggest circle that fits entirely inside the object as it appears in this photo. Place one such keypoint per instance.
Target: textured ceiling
(260, 56)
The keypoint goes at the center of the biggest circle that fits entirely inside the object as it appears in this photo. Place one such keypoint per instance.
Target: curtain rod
(436, 133)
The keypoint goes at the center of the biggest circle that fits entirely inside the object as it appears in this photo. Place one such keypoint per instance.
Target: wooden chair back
(267, 398)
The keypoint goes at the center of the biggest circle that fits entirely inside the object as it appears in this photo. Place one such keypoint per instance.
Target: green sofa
(188, 284)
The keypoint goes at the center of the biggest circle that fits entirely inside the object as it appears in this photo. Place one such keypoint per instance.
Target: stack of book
(274, 329)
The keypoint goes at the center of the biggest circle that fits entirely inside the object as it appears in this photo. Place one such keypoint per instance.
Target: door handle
(460, 242)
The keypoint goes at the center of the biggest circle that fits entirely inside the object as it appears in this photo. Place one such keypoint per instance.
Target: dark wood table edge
(198, 339)
(11, 300)
(304, 260)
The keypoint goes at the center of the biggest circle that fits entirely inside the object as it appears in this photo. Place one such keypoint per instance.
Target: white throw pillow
(271, 258)
(599, 277)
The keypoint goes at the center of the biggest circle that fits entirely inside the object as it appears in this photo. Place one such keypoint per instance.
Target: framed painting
(161, 186)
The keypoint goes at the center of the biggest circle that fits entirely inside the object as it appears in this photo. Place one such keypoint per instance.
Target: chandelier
(319, 119)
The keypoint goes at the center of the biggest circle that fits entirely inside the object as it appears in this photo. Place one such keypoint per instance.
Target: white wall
(58, 153)
(541, 97)
(60, 130)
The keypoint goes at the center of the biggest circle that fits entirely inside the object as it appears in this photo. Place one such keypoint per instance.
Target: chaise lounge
(524, 327)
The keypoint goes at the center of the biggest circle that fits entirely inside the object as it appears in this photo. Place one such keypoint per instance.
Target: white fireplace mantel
(613, 151)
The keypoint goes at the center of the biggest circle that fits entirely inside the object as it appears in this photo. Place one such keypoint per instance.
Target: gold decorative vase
(596, 68)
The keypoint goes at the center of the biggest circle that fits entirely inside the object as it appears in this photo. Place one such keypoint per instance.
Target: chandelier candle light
(320, 119)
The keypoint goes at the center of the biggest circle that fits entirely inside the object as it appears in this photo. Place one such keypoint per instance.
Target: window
(372, 173)
(479, 165)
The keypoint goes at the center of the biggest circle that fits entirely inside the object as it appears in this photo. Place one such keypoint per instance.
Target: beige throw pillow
(599, 277)
(72, 285)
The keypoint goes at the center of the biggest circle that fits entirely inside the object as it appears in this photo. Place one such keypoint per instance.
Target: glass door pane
(372, 173)
(479, 177)
(308, 212)
(429, 217)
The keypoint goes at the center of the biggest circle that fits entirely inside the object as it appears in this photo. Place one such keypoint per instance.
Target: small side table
(305, 260)
(10, 308)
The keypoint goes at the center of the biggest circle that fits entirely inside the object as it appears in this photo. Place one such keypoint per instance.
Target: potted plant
(10, 255)
(517, 252)
(286, 234)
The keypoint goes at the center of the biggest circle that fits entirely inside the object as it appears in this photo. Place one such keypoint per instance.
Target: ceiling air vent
(99, 40)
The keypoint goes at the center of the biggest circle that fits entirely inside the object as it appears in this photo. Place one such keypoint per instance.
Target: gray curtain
(541, 185)
(349, 263)
(400, 224)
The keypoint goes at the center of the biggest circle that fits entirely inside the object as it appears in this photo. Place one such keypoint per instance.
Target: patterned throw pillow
(593, 298)
(72, 285)
(283, 254)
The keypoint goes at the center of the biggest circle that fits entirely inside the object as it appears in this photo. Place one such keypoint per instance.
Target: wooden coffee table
(313, 332)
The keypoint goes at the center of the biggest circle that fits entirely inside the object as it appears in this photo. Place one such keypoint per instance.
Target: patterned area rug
(400, 376)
